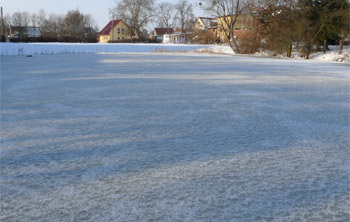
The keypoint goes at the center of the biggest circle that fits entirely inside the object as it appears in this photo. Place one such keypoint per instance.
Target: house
(204, 23)
(158, 33)
(114, 31)
(204, 30)
(17, 32)
(244, 23)
(177, 38)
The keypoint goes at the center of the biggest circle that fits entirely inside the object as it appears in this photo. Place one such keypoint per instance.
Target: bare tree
(41, 17)
(90, 26)
(74, 22)
(228, 13)
(34, 20)
(21, 20)
(167, 15)
(7, 20)
(185, 15)
(135, 13)
(53, 27)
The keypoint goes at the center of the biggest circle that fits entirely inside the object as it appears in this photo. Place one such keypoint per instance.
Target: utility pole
(2, 27)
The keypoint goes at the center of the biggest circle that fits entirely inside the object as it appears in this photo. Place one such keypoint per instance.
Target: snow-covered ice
(148, 137)
(22, 49)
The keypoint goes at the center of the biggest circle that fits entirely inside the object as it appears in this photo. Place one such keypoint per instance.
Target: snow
(15, 49)
(148, 137)
(217, 49)
(330, 56)
(22, 49)
(333, 56)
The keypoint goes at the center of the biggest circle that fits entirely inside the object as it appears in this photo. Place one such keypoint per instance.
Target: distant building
(17, 32)
(243, 25)
(205, 23)
(158, 33)
(177, 38)
(205, 30)
(115, 30)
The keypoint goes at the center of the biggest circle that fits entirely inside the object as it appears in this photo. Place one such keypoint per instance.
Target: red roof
(108, 28)
(163, 31)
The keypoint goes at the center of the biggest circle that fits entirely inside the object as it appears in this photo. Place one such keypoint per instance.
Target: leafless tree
(21, 20)
(34, 21)
(41, 17)
(135, 13)
(228, 13)
(167, 15)
(8, 20)
(53, 27)
(185, 15)
(90, 26)
(74, 24)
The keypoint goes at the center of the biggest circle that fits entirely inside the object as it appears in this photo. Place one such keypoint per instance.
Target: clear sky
(97, 8)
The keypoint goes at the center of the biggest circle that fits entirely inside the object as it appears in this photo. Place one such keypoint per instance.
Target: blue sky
(97, 8)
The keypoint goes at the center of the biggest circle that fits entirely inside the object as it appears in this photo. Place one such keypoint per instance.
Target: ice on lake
(151, 137)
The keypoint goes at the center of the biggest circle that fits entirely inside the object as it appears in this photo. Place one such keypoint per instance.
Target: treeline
(306, 25)
(283, 25)
(279, 26)
(138, 14)
(72, 27)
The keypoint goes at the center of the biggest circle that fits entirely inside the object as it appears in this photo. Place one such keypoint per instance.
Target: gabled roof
(108, 28)
(163, 31)
(207, 21)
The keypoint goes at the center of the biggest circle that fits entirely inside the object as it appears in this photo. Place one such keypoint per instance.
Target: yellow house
(204, 23)
(244, 22)
(115, 30)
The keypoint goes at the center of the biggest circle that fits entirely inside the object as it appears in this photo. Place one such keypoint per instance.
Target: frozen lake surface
(147, 137)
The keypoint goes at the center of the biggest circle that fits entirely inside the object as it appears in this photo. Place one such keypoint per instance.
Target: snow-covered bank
(217, 49)
(15, 49)
(22, 49)
(330, 56)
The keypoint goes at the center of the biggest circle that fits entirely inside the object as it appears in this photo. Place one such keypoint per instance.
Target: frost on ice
(149, 137)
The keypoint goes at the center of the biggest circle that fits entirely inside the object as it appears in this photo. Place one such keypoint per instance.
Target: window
(122, 30)
(118, 38)
(106, 38)
(122, 38)
(118, 30)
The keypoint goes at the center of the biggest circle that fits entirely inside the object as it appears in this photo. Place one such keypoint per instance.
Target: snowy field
(148, 137)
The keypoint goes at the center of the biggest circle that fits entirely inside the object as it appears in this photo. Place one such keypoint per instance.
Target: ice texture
(145, 137)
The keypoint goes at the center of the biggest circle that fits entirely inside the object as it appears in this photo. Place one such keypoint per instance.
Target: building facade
(244, 23)
(114, 31)
(204, 23)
